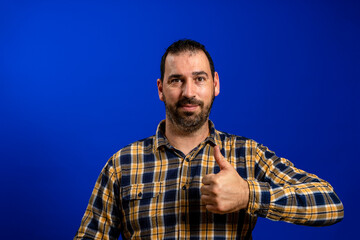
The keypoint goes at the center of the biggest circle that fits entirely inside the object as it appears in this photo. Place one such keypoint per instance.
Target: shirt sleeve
(279, 191)
(102, 217)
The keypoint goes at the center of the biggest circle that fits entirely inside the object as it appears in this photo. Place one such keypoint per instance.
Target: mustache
(192, 101)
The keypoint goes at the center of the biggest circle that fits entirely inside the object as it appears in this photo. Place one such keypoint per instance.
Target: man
(193, 181)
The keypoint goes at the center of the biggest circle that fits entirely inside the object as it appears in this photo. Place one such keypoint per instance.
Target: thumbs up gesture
(226, 191)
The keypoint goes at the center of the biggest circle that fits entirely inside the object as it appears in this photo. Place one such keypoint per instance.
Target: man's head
(188, 86)
(185, 45)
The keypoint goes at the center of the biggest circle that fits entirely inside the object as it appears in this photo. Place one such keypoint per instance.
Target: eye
(200, 79)
(175, 80)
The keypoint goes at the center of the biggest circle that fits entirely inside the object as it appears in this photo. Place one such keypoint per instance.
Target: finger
(221, 161)
(206, 190)
(212, 208)
(207, 179)
(206, 199)
(203, 190)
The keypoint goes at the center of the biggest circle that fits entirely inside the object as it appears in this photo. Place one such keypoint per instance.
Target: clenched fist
(226, 191)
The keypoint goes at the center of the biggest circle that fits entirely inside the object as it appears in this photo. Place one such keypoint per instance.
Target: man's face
(188, 89)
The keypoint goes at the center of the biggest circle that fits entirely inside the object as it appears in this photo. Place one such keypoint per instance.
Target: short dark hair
(184, 45)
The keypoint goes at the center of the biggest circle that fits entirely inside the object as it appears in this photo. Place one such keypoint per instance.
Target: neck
(185, 142)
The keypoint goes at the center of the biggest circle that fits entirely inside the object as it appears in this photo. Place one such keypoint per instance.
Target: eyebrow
(200, 73)
(193, 73)
(175, 76)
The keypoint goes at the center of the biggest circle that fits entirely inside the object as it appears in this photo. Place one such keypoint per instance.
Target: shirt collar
(161, 140)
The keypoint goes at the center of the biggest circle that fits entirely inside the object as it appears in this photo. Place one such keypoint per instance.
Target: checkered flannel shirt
(150, 190)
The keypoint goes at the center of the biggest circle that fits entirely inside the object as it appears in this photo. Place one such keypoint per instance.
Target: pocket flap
(141, 191)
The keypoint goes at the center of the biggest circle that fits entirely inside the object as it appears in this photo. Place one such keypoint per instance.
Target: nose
(188, 89)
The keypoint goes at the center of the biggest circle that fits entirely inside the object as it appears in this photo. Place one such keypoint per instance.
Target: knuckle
(215, 190)
(216, 180)
(204, 179)
(221, 207)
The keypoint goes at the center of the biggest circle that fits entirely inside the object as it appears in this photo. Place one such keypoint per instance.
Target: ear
(216, 84)
(160, 89)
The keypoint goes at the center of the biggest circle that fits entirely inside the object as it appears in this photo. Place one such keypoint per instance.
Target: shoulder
(228, 138)
(240, 146)
(143, 146)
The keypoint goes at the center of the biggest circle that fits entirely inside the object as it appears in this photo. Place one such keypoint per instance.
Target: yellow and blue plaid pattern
(150, 190)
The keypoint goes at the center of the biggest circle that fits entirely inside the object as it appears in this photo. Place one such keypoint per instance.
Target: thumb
(221, 161)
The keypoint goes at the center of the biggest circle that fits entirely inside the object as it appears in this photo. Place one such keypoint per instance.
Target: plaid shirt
(150, 190)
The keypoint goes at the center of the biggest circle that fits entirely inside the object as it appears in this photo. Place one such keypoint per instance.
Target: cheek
(206, 93)
(171, 96)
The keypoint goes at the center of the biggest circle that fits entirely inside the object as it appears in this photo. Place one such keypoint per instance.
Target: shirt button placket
(183, 199)
(183, 217)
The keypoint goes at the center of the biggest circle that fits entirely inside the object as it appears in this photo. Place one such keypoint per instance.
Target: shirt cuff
(259, 198)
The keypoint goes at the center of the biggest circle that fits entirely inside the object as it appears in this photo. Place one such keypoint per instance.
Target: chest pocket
(141, 205)
(141, 191)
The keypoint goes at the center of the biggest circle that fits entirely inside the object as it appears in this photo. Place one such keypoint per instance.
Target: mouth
(189, 107)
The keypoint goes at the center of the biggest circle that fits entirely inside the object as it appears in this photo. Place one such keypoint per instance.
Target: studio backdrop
(78, 83)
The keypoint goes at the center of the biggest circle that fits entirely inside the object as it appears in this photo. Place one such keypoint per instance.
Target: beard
(188, 122)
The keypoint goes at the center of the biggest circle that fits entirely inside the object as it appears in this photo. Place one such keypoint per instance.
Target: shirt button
(140, 194)
(186, 159)
(184, 187)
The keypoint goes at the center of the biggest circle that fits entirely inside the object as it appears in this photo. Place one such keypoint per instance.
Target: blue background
(78, 82)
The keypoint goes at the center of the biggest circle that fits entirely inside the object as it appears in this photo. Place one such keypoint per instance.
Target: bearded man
(190, 180)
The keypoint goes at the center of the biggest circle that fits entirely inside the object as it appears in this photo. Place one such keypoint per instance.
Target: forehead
(186, 62)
